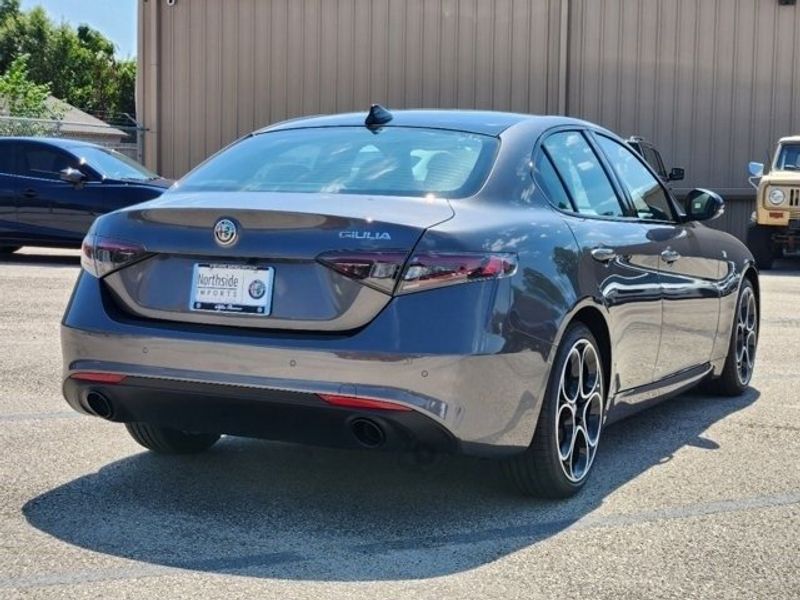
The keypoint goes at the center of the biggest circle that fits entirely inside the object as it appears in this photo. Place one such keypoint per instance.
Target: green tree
(79, 63)
(21, 97)
(8, 8)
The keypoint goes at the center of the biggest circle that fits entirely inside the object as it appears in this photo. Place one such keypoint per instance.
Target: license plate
(236, 289)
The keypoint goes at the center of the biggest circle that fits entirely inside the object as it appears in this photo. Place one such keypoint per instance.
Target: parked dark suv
(51, 190)
(653, 157)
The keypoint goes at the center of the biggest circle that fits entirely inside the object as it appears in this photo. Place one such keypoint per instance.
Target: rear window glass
(396, 161)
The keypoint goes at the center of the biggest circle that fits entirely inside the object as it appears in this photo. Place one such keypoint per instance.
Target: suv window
(649, 198)
(548, 180)
(583, 174)
(653, 158)
(34, 160)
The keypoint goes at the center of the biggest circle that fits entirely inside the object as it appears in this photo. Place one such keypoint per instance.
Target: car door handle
(604, 255)
(30, 193)
(670, 256)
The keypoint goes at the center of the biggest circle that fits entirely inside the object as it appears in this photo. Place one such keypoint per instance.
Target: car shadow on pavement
(271, 510)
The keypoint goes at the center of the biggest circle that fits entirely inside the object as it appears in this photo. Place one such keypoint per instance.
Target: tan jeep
(776, 220)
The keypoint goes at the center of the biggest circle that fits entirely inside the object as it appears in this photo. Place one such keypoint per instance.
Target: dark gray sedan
(494, 284)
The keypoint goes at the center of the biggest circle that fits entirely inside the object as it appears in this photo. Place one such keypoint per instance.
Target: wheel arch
(752, 276)
(593, 318)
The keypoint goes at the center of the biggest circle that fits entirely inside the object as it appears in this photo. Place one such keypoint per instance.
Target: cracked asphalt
(696, 498)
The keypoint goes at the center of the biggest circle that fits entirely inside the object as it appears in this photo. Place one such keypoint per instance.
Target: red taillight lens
(101, 256)
(99, 377)
(384, 270)
(368, 403)
(380, 270)
(426, 271)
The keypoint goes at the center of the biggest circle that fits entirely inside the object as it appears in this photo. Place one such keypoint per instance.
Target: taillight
(380, 270)
(389, 271)
(101, 256)
(431, 270)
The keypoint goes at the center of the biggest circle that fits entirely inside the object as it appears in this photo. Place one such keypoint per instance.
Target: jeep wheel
(759, 241)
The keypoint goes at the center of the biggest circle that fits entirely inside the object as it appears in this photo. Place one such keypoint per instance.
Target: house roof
(77, 122)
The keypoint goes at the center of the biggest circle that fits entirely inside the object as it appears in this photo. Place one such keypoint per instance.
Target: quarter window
(549, 181)
(582, 173)
(649, 198)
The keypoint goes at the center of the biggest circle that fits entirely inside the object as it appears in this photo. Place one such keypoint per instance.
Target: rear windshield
(393, 161)
(788, 158)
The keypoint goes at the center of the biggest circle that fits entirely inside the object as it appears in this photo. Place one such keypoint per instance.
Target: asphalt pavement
(696, 498)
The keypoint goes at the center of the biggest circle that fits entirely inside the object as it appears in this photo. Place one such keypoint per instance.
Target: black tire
(9, 249)
(759, 241)
(170, 441)
(731, 382)
(540, 470)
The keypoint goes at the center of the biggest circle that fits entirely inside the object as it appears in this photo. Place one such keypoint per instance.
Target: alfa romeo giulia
(494, 284)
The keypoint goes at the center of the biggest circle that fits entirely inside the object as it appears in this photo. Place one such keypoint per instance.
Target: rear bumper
(480, 390)
(275, 415)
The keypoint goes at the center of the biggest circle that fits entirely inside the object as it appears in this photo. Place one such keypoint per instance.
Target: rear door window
(583, 174)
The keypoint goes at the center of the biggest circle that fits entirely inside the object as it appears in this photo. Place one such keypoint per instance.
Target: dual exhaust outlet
(368, 433)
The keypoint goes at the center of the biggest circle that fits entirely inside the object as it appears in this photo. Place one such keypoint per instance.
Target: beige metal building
(712, 82)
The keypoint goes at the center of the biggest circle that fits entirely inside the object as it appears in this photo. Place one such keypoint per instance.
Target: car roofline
(63, 143)
(492, 123)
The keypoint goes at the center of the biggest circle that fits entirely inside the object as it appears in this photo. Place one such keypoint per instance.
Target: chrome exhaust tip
(99, 405)
(368, 433)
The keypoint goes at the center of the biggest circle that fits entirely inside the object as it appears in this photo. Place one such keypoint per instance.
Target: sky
(115, 18)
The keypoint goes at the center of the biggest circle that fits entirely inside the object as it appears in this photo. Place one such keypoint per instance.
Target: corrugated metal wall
(213, 70)
(712, 82)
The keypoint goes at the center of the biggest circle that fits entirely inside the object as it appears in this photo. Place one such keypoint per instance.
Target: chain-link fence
(124, 135)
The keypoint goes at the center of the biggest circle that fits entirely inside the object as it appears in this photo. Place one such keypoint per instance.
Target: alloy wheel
(579, 414)
(746, 336)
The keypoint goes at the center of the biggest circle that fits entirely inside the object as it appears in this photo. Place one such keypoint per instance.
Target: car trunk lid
(278, 236)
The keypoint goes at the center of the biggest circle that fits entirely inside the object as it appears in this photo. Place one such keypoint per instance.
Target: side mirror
(72, 176)
(704, 205)
(756, 170)
(677, 174)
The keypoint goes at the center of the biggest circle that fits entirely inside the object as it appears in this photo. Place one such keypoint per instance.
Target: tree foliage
(20, 96)
(23, 99)
(79, 64)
